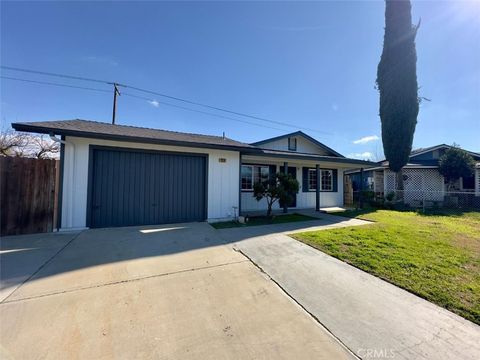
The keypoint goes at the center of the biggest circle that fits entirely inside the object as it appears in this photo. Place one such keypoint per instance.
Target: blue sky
(309, 64)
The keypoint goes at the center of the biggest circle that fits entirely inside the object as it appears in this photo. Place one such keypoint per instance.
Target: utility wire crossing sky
(285, 65)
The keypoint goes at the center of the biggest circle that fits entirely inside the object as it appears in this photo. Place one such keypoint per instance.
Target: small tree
(280, 187)
(454, 164)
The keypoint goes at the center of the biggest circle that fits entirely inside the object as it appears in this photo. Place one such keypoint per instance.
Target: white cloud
(366, 139)
(154, 103)
(367, 155)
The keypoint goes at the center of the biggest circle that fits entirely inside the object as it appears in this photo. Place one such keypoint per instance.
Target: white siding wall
(223, 178)
(303, 146)
(305, 200)
(249, 203)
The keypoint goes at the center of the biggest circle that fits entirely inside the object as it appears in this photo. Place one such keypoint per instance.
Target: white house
(116, 175)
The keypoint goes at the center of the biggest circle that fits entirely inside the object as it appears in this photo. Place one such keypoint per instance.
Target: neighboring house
(116, 175)
(421, 176)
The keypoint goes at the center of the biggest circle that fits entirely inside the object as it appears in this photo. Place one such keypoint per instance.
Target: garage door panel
(140, 188)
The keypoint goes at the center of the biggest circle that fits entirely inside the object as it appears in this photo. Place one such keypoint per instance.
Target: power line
(142, 98)
(162, 95)
(221, 109)
(56, 74)
(53, 84)
(201, 112)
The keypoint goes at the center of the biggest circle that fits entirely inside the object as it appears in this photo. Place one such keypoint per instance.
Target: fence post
(423, 192)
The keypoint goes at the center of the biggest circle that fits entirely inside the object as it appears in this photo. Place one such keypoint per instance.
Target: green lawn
(263, 220)
(434, 256)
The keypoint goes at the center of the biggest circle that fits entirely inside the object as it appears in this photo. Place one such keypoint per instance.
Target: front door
(292, 171)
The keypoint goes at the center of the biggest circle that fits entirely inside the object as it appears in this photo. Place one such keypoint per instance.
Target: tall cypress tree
(397, 84)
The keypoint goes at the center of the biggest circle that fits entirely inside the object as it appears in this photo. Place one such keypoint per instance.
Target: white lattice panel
(413, 185)
(422, 185)
(419, 185)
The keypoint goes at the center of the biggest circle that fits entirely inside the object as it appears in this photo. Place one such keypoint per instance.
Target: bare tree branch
(11, 142)
(14, 143)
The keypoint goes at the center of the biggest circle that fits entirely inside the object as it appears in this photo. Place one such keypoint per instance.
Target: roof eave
(319, 158)
(385, 167)
(113, 137)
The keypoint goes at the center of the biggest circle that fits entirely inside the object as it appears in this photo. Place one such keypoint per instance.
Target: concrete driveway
(166, 292)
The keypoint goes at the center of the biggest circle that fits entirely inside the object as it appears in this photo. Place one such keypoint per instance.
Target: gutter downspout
(62, 171)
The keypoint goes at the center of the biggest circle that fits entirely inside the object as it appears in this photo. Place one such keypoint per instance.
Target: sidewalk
(373, 318)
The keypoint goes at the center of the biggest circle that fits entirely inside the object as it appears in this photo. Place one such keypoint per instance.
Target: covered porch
(320, 180)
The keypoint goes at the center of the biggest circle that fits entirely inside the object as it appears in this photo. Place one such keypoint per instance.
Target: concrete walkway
(158, 292)
(373, 318)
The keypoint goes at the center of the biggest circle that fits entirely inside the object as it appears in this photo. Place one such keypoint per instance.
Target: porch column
(285, 171)
(360, 195)
(317, 189)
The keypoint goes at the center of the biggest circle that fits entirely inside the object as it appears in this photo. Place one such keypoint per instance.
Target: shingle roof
(100, 130)
(95, 129)
(431, 148)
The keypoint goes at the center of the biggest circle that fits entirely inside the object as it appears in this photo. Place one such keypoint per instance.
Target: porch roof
(308, 159)
(384, 166)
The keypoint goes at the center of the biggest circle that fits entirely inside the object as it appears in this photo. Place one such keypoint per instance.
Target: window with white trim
(312, 179)
(252, 174)
(247, 177)
(326, 180)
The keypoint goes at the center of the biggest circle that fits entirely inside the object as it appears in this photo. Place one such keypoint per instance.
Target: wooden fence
(347, 191)
(27, 195)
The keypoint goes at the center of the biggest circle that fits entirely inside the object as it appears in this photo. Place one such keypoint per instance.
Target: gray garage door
(129, 187)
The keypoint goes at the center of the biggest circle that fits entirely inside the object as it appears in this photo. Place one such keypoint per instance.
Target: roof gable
(310, 145)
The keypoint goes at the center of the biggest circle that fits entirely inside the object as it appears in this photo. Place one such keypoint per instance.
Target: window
(252, 174)
(247, 177)
(261, 174)
(292, 143)
(312, 179)
(326, 180)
